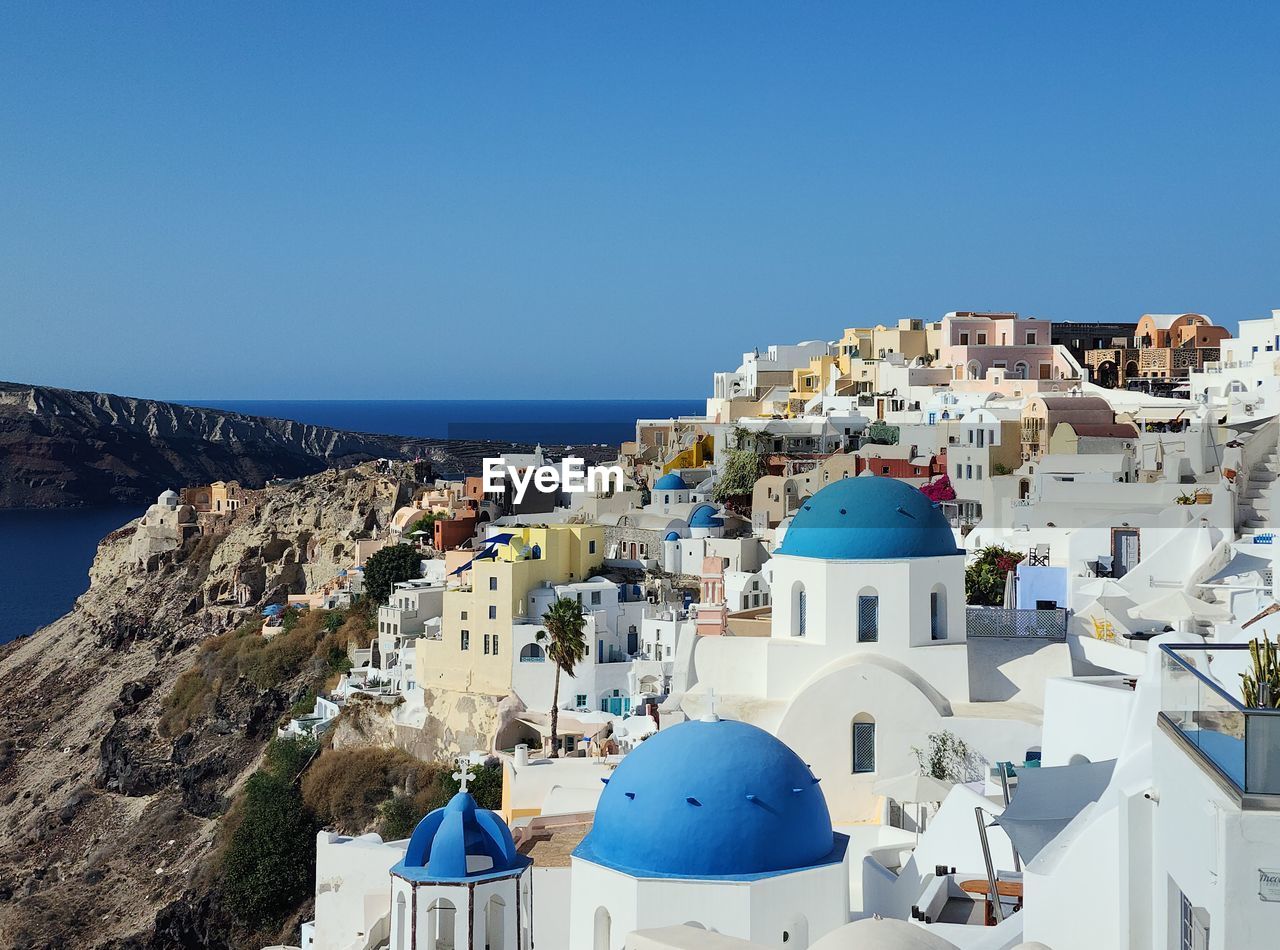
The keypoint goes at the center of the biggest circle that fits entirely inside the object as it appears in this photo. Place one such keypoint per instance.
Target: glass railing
(1241, 743)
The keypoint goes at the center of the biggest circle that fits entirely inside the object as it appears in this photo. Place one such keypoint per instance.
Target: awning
(1048, 799)
(1158, 414)
(1242, 563)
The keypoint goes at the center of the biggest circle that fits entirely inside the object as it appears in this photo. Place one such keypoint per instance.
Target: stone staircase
(1255, 512)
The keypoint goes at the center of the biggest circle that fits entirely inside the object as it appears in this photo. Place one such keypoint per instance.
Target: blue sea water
(549, 421)
(45, 555)
(45, 558)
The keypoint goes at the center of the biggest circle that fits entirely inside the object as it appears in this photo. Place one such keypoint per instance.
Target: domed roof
(458, 842)
(868, 519)
(882, 933)
(670, 482)
(705, 516)
(713, 798)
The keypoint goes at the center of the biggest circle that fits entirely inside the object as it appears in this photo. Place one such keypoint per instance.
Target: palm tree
(566, 647)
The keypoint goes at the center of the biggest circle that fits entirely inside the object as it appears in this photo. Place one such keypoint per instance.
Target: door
(633, 642)
(1125, 551)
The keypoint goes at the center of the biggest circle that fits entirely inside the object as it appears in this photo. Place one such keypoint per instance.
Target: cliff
(110, 818)
(63, 448)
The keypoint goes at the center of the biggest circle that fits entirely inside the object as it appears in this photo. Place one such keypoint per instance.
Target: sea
(45, 555)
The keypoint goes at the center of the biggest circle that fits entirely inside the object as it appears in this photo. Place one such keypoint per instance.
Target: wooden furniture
(1003, 888)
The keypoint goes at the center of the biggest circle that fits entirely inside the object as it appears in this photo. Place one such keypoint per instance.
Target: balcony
(1012, 623)
(1239, 743)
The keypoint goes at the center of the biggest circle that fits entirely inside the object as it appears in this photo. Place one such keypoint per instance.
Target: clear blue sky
(367, 200)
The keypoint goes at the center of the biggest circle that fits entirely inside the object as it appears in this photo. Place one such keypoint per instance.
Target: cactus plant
(1261, 685)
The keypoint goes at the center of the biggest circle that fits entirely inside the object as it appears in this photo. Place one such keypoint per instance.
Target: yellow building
(914, 339)
(473, 652)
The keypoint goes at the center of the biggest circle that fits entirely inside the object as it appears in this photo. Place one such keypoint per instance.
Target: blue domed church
(714, 824)
(461, 884)
(866, 649)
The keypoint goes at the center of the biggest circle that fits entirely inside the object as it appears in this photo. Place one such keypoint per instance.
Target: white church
(866, 652)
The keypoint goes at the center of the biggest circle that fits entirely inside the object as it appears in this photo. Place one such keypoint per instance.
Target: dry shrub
(348, 789)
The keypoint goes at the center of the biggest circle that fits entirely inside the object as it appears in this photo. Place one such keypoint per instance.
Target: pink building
(974, 343)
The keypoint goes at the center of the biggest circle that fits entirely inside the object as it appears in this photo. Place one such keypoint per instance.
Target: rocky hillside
(107, 819)
(62, 448)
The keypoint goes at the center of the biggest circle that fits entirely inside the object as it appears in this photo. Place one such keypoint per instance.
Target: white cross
(463, 775)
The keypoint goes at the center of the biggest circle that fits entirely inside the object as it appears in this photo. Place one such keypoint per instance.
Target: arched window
(938, 613)
(1020, 370)
(602, 928)
(868, 615)
(440, 923)
(864, 744)
(795, 935)
(799, 610)
(495, 919)
(401, 924)
(532, 653)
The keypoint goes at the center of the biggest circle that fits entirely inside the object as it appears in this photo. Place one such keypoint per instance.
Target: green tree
(947, 758)
(423, 524)
(388, 567)
(743, 466)
(268, 867)
(566, 647)
(984, 579)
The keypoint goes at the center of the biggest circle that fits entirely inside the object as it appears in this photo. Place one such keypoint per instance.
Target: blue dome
(670, 482)
(672, 536)
(459, 842)
(704, 516)
(711, 799)
(868, 519)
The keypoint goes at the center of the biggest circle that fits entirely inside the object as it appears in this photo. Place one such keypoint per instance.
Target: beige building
(1042, 414)
(473, 650)
(776, 497)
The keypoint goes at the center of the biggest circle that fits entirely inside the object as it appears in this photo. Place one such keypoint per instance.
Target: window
(495, 644)
(959, 469)
(864, 747)
(979, 471)
(486, 644)
(464, 615)
(580, 700)
(595, 598)
(868, 618)
(1031, 338)
(493, 583)
(493, 612)
(591, 547)
(801, 623)
(938, 614)
(982, 339)
(466, 640)
(964, 339)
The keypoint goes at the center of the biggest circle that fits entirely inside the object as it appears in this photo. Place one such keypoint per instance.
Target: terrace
(1235, 742)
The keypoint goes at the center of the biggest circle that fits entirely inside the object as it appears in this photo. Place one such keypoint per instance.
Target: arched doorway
(495, 920)
(1108, 374)
(602, 927)
(441, 916)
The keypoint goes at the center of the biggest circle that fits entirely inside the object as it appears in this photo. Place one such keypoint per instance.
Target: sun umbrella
(1180, 607)
(1010, 590)
(1100, 587)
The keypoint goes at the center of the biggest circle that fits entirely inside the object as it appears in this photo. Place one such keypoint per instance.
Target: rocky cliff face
(108, 825)
(62, 448)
